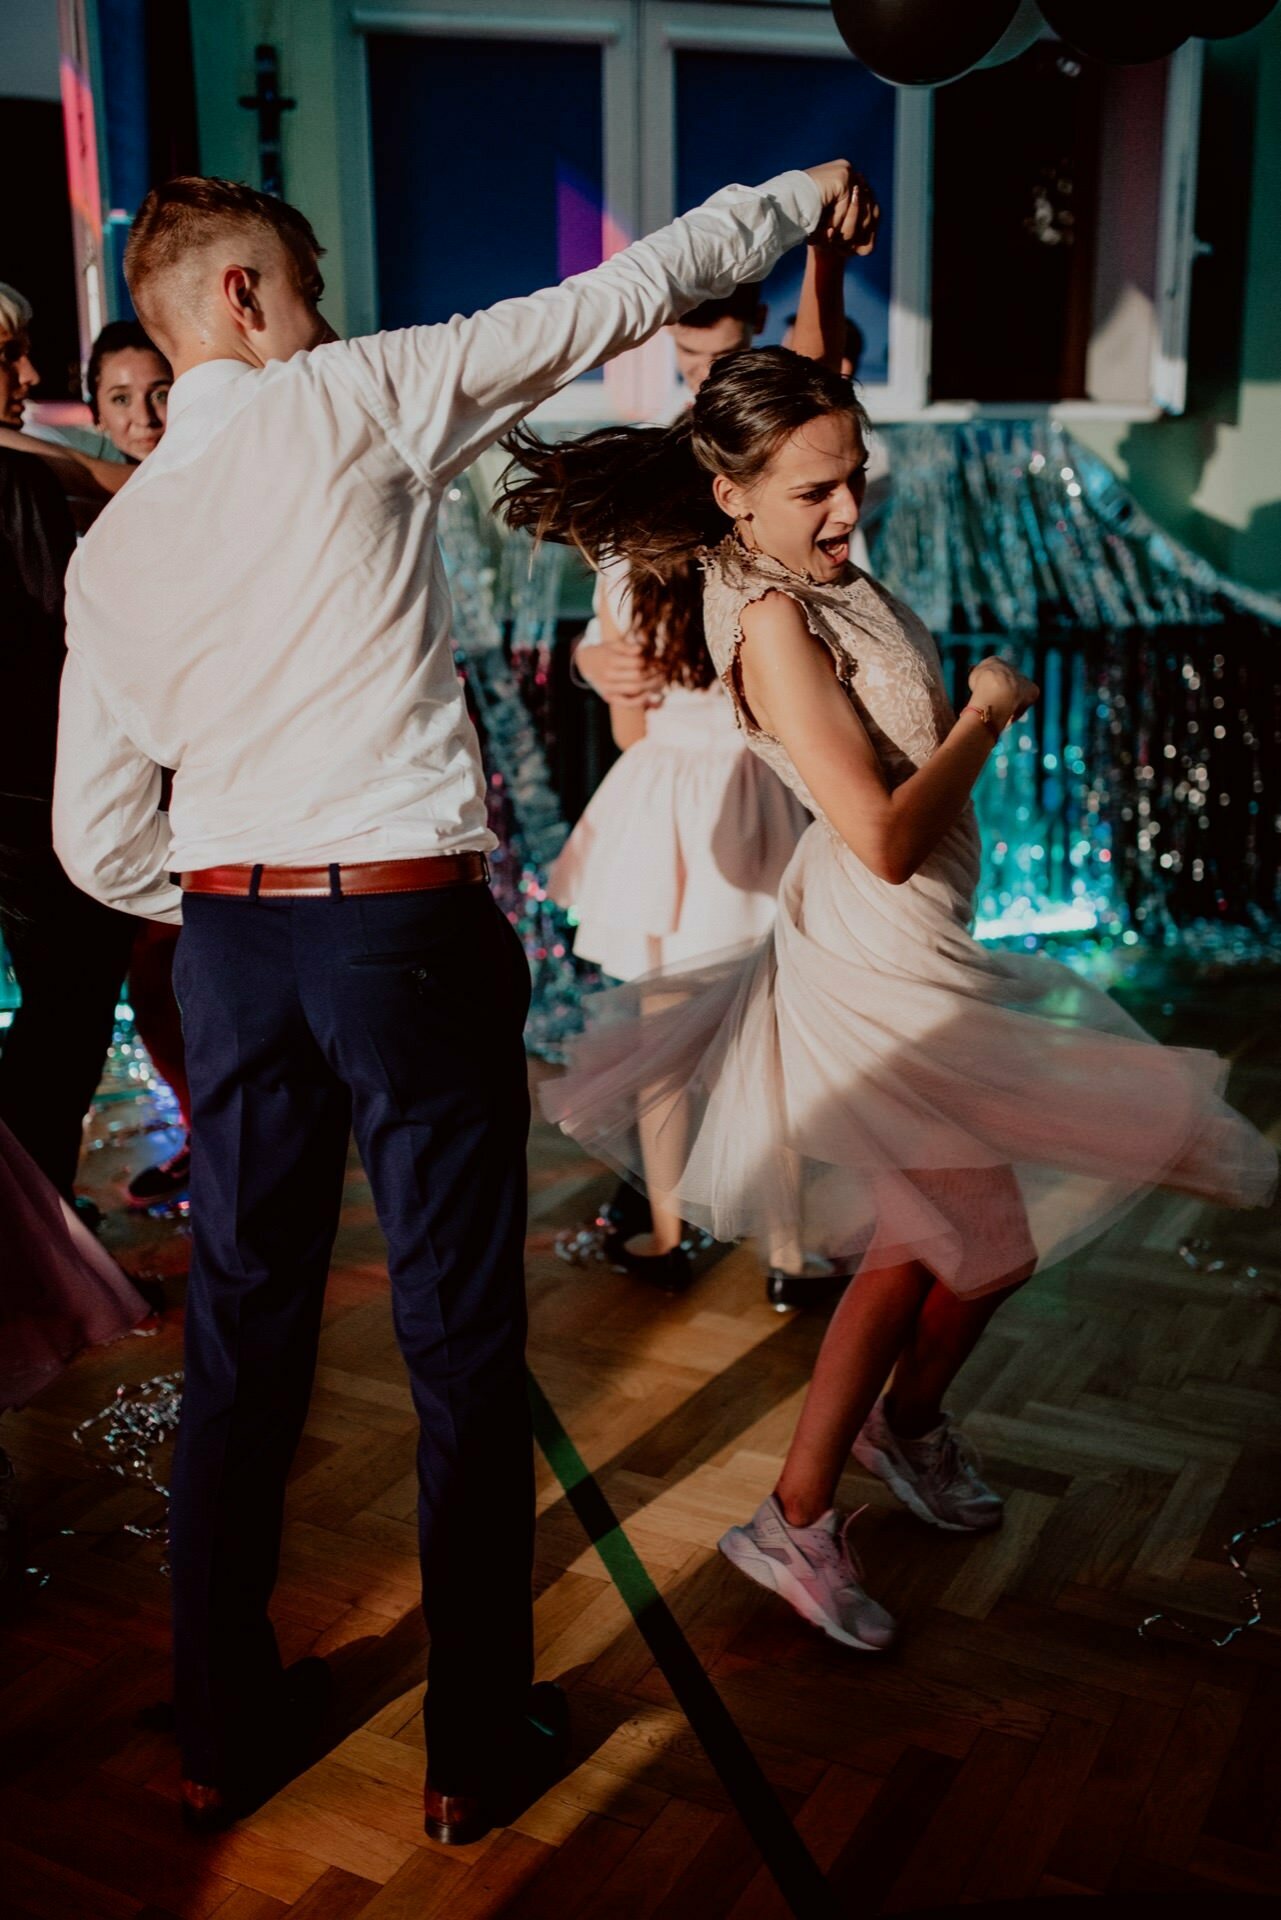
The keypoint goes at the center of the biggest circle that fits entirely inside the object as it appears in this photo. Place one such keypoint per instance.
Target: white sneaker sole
(877, 1461)
(742, 1552)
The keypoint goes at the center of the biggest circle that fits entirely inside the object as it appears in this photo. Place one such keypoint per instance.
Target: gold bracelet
(985, 715)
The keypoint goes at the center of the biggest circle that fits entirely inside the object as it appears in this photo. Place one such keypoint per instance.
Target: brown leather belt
(335, 882)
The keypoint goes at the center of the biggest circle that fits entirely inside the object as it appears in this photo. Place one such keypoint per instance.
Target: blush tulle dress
(681, 848)
(868, 1080)
(59, 1290)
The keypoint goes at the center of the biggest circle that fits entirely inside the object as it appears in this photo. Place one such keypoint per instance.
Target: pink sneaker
(815, 1570)
(932, 1476)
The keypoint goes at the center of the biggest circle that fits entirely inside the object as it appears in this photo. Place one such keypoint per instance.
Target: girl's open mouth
(837, 548)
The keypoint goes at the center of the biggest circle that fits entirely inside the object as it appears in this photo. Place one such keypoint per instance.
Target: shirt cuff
(798, 196)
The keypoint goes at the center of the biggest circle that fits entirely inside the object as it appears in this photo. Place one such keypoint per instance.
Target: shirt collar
(199, 382)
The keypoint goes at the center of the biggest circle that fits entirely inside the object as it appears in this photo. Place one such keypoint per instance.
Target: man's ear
(728, 497)
(241, 299)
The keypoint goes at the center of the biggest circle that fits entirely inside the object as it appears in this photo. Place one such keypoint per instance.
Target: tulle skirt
(59, 1290)
(681, 849)
(871, 1083)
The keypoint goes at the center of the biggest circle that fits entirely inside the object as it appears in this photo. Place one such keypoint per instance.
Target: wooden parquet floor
(1021, 1742)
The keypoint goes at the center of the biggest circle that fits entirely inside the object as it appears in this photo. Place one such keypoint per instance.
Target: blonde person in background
(127, 385)
(88, 478)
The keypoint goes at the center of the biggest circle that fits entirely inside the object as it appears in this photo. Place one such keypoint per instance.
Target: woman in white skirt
(678, 855)
(680, 851)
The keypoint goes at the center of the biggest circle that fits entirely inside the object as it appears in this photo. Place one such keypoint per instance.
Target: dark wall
(35, 250)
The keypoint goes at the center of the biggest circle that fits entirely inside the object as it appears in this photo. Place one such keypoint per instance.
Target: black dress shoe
(87, 1211)
(285, 1744)
(533, 1763)
(670, 1272)
(793, 1292)
(162, 1181)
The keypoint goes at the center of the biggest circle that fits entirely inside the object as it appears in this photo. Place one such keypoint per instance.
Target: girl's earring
(744, 531)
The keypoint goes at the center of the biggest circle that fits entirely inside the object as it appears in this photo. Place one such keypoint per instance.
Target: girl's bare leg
(664, 1139)
(868, 1331)
(945, 1334)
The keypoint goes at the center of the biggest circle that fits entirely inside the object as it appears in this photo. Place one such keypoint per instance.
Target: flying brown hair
(643, 494)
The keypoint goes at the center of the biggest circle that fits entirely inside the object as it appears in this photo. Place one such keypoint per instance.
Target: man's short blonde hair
(177, 223)
(15, 310)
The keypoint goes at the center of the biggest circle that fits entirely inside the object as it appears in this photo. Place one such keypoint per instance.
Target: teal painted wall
(311, 37)
(1213, 476)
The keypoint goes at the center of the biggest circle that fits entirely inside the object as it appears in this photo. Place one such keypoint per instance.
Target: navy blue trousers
(399, 1015)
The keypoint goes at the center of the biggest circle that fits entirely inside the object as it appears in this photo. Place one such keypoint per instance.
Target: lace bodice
(886, 660)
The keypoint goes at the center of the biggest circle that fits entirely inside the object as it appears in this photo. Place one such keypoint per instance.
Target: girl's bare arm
(819, 332)
(790, 685)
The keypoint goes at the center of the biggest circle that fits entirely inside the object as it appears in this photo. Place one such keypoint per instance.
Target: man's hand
(850, 211)
(620, 674)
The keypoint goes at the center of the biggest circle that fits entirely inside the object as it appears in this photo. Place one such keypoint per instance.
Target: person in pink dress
(950, 1117)
(60, 1291)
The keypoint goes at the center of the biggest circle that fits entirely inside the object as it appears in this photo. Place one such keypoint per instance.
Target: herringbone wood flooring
(1022, 1740)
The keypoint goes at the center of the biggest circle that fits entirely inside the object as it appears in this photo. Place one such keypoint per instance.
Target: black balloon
(922, 43)
(1023, 32)
(1122, 32)
(1220, 19)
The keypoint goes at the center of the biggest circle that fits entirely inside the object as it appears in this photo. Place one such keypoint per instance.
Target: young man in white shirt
(264, 609)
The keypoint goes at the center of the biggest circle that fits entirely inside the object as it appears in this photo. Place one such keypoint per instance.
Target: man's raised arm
(449, 391)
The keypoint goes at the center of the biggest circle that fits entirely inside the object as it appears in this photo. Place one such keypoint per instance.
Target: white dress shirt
(264, 608)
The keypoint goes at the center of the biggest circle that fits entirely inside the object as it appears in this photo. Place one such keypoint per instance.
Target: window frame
(640, 40)
(609, 24)
(669, 27)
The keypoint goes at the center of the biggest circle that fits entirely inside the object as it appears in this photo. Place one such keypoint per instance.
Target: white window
(740, 93)
(504, 143)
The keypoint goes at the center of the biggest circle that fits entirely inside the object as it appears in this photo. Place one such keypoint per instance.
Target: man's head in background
(217, 270)
(854, 343)
(716, 328)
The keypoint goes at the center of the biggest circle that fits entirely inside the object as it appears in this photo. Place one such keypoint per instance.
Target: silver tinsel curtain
(1144, 793)
(1140, 800)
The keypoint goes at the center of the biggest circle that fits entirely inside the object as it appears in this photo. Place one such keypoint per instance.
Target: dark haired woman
(680, 851)
(127, 386)
(950, 1117)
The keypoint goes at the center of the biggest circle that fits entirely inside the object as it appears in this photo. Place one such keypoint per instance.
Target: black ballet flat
(670, 1272)
(626, 1212)
(794, 1292)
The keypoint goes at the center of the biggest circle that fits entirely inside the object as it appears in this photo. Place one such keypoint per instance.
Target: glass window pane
(488, 170)
(747, 116)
